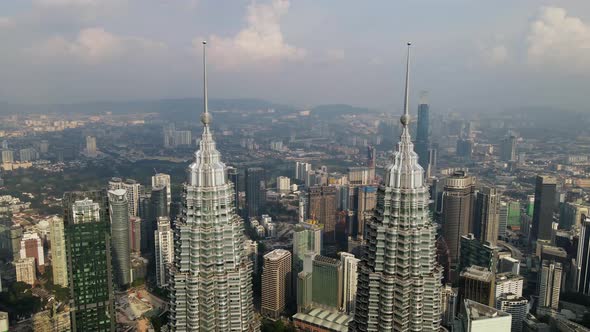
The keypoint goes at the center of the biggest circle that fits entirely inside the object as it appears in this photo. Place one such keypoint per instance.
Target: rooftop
(478, 311)
(477, 273)
(335, 321)
(276, 254)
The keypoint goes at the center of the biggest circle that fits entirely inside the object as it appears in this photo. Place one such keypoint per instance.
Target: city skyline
(159, 214)
(509, 49)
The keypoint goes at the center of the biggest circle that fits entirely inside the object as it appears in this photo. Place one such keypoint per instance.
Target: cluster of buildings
(466, 243)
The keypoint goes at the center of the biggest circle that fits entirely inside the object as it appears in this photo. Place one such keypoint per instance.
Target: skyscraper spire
(405, 172)
(405, 119)
(210, 282)
(399, 280)
(207, 170)
(205, 117)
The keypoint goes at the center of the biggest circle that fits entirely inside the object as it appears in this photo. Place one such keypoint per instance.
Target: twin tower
(399, 284)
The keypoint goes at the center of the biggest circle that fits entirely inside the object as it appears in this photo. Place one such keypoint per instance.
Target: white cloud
(69, 2)
(261, 41)
(95, 45)
(558, 39)
(495, 55)
(6, 22)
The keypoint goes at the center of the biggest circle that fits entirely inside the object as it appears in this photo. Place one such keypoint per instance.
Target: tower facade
(508, 148)
(550, 284)
(121, 253)
(399, 286)
(349, 281)
(276, 283)
(32, 246)
(161, 179)
(210, 283)
(88, 244)
(486, 215)
(164, 251)
(457, 211)
(545, 194)
(583, 258)
(254, 189)
(322, 207)
(423, 134)
(58, 252)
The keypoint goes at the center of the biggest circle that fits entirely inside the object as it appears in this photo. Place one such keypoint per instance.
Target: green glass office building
(88, 245)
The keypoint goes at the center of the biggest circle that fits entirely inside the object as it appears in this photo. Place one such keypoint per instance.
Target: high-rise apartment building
(508, 283)
(25, 270)
(121, 255)
(457, 211)
(583, 258)
(545, 200)
(255, 190)
(161, 179)
(550, 284)
(283, 184)
(322, 207)
(486, 215)
(32, 246)
(211, 281)
(28, 154)
(276, 283)
(58, 252)
(301, 170)
(88, 247)
(7, 156)
(164, 250)
(349, 281)
(515, 305)
(400, 255)
(133, 189)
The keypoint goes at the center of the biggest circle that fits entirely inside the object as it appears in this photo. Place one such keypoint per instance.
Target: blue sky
(469, 54)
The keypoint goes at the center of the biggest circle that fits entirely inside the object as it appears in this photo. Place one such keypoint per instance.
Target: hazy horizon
(469, 56)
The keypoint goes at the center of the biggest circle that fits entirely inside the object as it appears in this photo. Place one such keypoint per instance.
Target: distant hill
(168, 106)
(330, 110)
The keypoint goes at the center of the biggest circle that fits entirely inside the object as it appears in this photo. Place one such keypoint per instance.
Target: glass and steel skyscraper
(88, 246)
(211, 285)
(254, 190)
(423, 133)
(121, 253)
(399, 285)
(545, 193)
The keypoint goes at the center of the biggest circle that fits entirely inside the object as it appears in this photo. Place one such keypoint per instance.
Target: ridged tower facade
(211, 283)
(399, 285)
